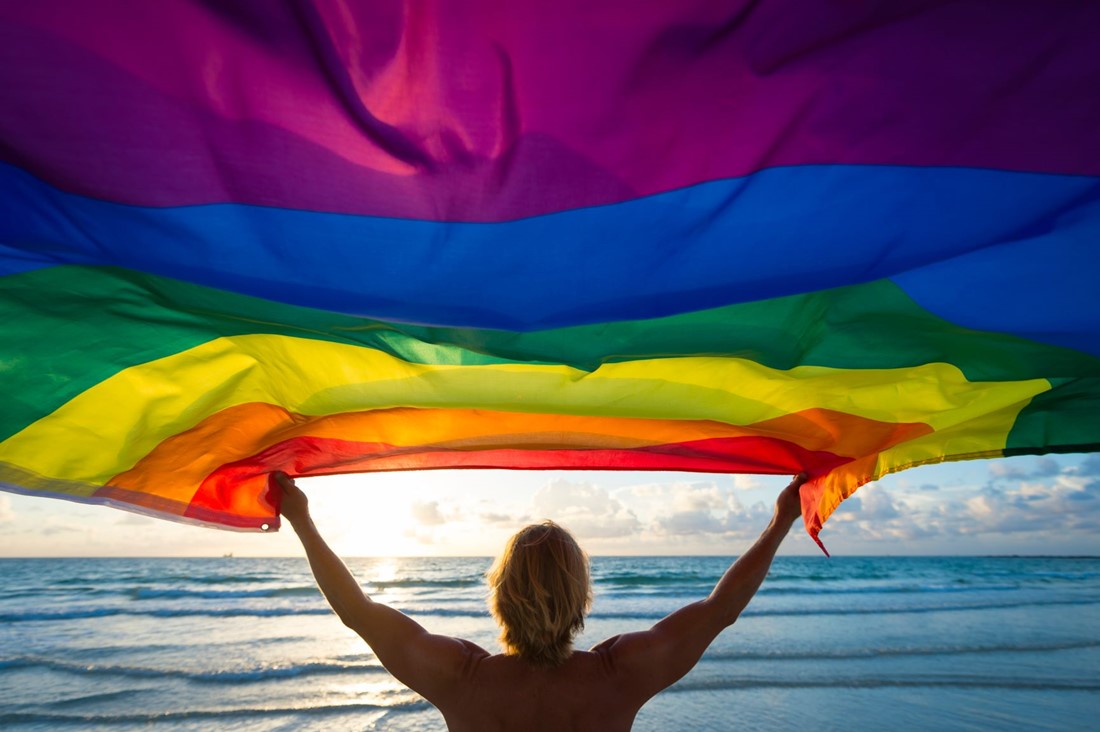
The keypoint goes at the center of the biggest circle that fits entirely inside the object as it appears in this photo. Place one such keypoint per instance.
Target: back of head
(539, 593)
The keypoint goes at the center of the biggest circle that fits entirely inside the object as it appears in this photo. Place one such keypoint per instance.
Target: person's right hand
(789, 503)
(294, 505)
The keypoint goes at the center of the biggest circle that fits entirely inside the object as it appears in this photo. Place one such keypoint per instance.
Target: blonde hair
(539, 593)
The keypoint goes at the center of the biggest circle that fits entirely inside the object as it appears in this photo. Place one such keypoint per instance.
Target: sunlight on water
(383, 693)
(383, 571)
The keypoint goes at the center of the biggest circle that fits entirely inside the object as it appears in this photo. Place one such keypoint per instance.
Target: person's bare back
(540, 683)
(506, 693)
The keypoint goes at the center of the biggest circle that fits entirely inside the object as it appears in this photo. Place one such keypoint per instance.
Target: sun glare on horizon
(365, 516)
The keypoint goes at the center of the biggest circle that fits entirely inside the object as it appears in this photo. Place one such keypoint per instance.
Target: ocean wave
(904, 610)
(160, 588)
(230, 612)
(106, 696)
(262, 612)
(1064, 576)
(51, 592)
(894, 652)
(107, 578)
(847, 574)
(150, 593)
(886, 590)
(156, 590)
(216, 715)
(220, 676)
(645, 580)
(103, 612)
(121, 580)
(846, 682)
(809, 612)
(466, 582)
(700, 591)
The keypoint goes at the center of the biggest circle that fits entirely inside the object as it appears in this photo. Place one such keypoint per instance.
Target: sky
(1020, 505)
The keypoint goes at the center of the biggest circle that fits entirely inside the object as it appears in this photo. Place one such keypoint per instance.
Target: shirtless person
(540, 593)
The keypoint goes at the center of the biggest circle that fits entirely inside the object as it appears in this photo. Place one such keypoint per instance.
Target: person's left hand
(788, 505)
(294, 505)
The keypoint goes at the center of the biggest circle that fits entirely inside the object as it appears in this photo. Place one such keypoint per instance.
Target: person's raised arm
(654, 659)
(741, 581)
(432, 665)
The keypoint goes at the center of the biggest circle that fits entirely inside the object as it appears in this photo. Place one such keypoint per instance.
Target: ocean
(852, 643)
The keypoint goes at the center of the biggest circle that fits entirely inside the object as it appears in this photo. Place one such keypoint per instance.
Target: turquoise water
(843, 643)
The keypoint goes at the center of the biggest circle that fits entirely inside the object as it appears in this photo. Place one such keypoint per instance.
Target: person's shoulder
(604, 645)
(473, 648)
(604, 652)
(474, 653)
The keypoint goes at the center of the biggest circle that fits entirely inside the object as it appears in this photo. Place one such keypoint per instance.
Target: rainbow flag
(845, 238)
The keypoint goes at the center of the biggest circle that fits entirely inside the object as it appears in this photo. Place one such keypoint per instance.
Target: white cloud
(690, 522)
(745, 521)
(1040, 468)
(6, 513)
(678, 496)
(1090, 467)
(644, 490)
(880, 514)
(135, 519)
(747, 482)
(1064, 506)
(497, 518)
(699, 497)
(54, 529)
(686, 509)
(876, 504)
(427, 513)
(1039, 502)
(586, 509)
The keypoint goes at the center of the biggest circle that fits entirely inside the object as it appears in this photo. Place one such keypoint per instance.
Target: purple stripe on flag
(467, 112)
